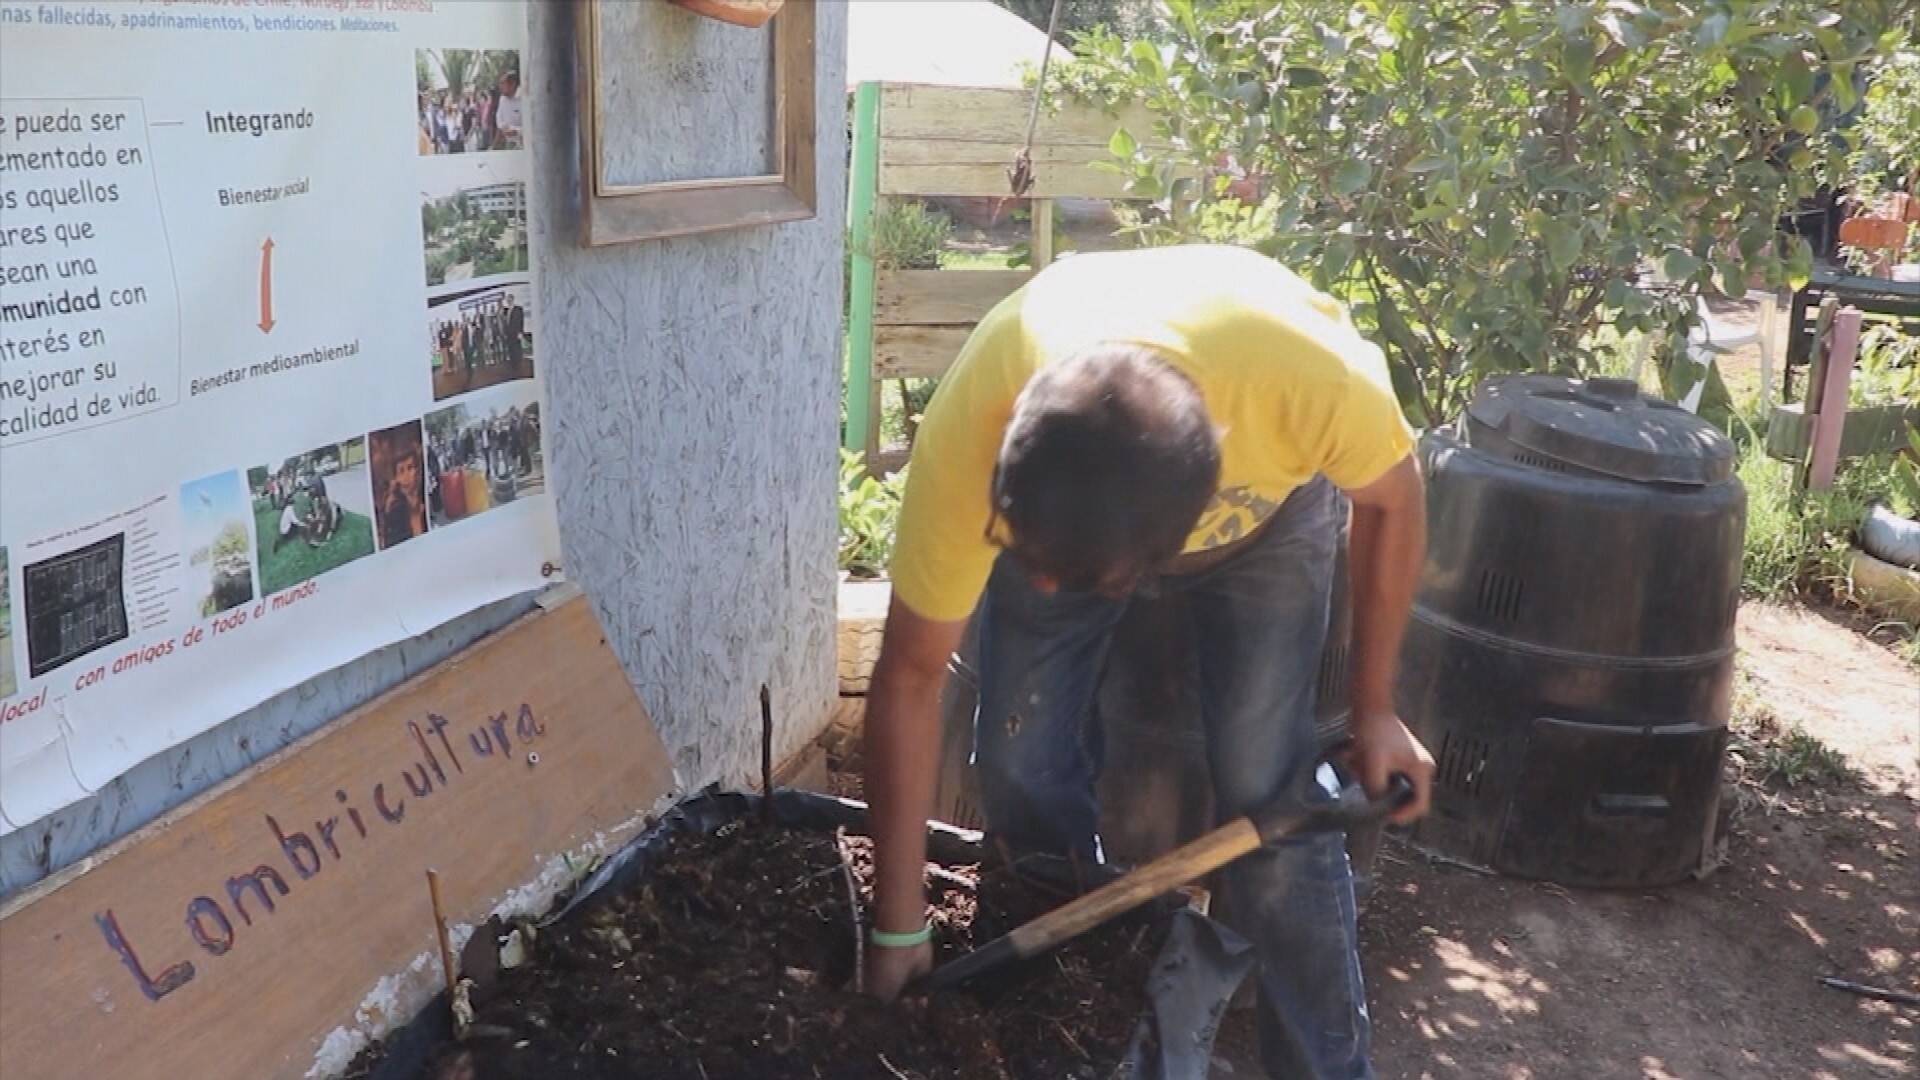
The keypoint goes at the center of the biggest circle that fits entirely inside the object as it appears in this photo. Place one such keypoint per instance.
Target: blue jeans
(1260, 618)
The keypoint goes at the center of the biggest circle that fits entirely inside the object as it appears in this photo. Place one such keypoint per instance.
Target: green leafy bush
(909, 236)
(1486, 182)
(1889, 372)
(869, 514)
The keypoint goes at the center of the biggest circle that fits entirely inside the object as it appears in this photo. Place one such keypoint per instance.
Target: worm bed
(721, 946)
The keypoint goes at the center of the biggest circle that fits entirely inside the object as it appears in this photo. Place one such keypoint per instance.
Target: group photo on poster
(313, 512)
(484, 452)
(469, 100)
(479, 338)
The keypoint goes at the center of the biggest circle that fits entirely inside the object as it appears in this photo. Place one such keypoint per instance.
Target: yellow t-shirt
(1295, 388)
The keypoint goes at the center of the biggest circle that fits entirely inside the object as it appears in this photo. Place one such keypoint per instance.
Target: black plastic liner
(1192, 980)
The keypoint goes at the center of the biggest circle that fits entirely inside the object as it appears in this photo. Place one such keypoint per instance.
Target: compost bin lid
(1606, 426)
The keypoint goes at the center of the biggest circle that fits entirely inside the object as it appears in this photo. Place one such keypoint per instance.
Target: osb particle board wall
(694, 385)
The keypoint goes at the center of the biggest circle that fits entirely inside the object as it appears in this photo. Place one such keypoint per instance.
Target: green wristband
(886, 940)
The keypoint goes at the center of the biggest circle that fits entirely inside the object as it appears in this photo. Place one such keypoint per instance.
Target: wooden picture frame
(615, 213)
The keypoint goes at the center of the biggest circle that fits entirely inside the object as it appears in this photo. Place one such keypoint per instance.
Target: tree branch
(1419, 377)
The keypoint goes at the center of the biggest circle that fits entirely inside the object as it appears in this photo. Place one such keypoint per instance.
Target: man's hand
(1382, 746)
(891, 970)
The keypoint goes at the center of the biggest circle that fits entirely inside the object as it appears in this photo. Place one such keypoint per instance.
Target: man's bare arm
(902, 764)
(1385, 552)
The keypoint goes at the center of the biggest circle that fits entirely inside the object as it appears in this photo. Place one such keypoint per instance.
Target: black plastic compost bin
(1200, 965)
(1570, 656)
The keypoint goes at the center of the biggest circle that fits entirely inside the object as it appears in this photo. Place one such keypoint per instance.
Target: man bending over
(1189, 418)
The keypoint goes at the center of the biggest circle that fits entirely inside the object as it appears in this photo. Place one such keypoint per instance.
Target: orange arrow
(266, 286)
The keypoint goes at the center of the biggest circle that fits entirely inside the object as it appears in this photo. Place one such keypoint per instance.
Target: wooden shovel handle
(1183, 864)
(1191, 860)
(1200, 857)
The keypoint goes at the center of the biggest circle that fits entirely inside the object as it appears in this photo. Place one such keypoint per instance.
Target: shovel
(1194, 859)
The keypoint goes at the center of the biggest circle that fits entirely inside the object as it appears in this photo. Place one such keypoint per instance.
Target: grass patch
(1796, 541)
(1796, 759)
(1771, 753)
(297, 560)
(1902, 638)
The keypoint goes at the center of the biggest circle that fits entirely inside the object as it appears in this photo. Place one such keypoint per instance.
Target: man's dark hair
(1106, 466)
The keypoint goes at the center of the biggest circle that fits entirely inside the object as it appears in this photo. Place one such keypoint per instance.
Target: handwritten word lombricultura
(251, 894)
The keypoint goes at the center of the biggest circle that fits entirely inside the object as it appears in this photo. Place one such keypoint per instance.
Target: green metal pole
(861, 192)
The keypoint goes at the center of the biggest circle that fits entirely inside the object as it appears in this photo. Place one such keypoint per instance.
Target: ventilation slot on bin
(1499, 595)
(1463, 763)
(1535, 461)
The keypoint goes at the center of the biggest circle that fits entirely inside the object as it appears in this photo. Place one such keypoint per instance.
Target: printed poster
(270, 358)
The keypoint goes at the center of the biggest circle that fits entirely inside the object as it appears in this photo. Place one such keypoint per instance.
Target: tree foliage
(456, 65)
(231, 541)
(1080, 16)
(1486, 180)
(1885, 157)
(1887, 135)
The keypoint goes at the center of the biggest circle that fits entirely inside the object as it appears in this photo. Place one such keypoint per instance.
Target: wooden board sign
(240, 935)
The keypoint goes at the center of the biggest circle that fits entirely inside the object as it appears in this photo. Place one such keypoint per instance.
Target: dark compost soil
(734, 959)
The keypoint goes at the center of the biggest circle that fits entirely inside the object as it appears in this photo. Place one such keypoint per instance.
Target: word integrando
(258, 124)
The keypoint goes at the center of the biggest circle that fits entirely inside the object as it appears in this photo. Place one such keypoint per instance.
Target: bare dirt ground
(1475, 976)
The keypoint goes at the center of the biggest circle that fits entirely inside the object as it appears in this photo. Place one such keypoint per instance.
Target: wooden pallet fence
(914, 141)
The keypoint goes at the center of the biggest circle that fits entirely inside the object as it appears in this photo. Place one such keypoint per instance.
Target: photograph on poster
(312, 513)
(483, 453)
(479, 338)
(474, 220)
(74, 603)
(219, 550)
(468, 101)
(9, 682)
(399, 483)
